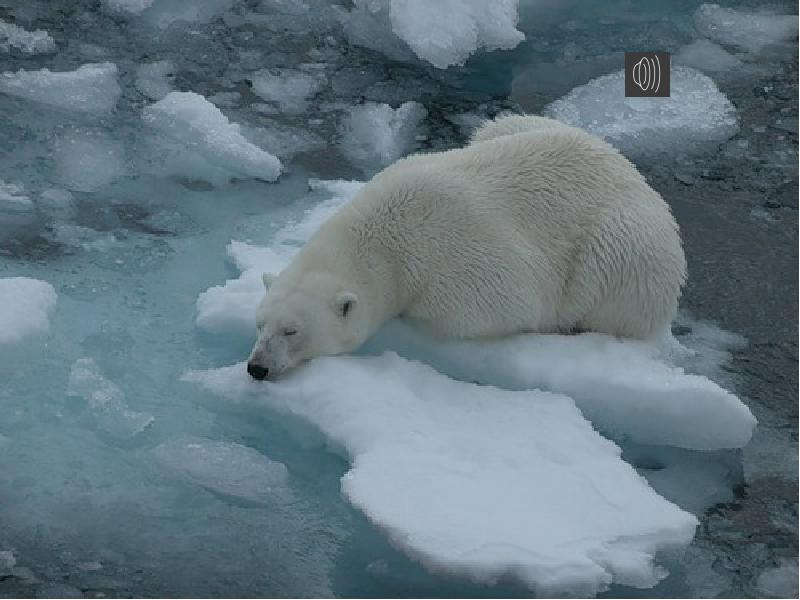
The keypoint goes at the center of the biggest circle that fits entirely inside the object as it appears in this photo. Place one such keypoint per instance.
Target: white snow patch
(230, 308)
(154, 80)
(105, 400)
(707, 56)
(13, 198)
(443, 33)
(749, 31)
(478, 481)
(226, 468)
(290, 89)
(203, 143)
(87, 160)
(375, 135)
(28, 42)
(695, 113)
(26, 306)
(627, 388)
(91, 88)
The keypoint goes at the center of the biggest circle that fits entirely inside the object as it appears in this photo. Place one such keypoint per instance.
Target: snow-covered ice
(375, 135)
(226, 468)
(707, 56)
(478, 481)
(154, 79)
(443, 33)
(202, 142)
(13, 37)
(105, 401)
(86, 160)
(289, 89)
(26, 306)
(746, 30)
(695, 114)
(91, 88)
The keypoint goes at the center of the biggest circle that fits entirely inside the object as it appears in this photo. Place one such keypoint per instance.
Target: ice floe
(695, 114)
(91, 88)
(13, 37)
(201, 142)
(746, 30)
(478, 481)
(26, 306)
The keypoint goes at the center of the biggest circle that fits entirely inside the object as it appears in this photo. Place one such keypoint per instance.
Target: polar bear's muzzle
(256, 371)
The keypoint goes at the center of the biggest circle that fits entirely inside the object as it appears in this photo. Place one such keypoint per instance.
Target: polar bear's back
(545, 230)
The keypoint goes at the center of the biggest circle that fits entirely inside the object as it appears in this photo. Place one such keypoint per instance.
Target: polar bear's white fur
(533, 227)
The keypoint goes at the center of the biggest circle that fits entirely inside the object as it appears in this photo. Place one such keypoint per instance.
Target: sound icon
(647, 74)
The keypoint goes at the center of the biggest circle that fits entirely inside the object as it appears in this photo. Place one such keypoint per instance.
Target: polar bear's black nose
(257, 371)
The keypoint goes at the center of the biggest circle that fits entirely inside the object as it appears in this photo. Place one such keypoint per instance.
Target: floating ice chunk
(105, 400)
(13, 198)
(225, 468)
(477, 481)
(22, 40)
(205, 144)
(226, 99)
(26, 306)
(86, 160)
(750, 31)
(447, 32)
(375, 135)
(128, 6)
(91, 88)
(623, 386)
(290, 89)
(230, 308)
(57, 203)
(164, 13)
(443, 33)
(779, 582)
(695, 113)
(707, 56)
(154, 80)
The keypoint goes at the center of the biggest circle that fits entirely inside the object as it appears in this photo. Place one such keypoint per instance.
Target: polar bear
(534, 226)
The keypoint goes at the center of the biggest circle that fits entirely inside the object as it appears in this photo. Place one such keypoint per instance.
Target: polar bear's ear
(268, 279)
(344, 303)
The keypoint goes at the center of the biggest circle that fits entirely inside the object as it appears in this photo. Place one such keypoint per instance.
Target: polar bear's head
(300, 320)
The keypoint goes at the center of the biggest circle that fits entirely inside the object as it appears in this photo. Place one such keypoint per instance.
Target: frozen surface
(477, 481)
(91, 88)
(290, 90)
(707, 56)
(375, 135)
(746, 30)
(128, 6)
(26, 306)
(226, 468)
(202, 143)
(105, 401)
(154, 80)
(86, 160)
(15, 38)
(696, 113)
(442, 33)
